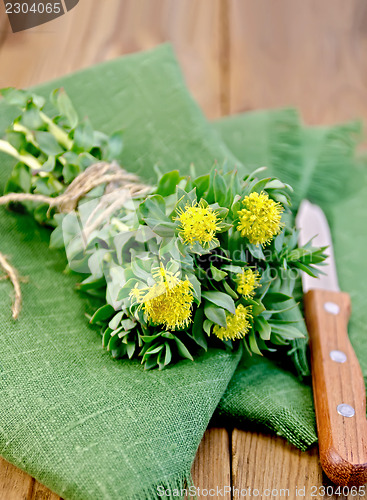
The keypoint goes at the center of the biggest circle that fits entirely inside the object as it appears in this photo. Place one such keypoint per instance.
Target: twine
(110, 174)
(118, 182)
(12, 274)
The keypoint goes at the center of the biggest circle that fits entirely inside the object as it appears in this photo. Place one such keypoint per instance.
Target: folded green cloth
(90, 427)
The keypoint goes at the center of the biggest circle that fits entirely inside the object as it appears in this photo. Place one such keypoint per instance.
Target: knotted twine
(117, 182)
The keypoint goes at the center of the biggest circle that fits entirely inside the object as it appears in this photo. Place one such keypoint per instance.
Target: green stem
(28, 134)
(60, 135)
(27, 159)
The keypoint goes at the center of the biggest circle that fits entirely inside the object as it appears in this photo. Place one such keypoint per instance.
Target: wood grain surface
(236, 55)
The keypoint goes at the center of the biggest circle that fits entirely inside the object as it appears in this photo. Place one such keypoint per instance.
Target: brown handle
(337, 380)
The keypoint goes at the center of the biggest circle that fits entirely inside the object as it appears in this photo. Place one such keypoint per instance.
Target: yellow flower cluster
(247, 282)
(260, 220)
(168, 302)
(198, 223)
(238, 324)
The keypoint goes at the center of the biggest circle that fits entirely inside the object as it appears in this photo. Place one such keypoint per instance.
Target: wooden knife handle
(337, 380)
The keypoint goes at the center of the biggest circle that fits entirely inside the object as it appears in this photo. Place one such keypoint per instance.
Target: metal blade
(312, 224)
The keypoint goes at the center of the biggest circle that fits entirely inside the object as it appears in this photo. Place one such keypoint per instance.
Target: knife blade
(338, 385)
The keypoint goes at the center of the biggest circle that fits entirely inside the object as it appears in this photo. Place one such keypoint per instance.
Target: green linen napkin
(88, 426)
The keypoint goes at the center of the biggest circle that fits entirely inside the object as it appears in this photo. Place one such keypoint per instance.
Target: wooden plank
(269, 465)
(95, 31)
(306, 54)
(40, 492)
(212, 465)
(14, 483)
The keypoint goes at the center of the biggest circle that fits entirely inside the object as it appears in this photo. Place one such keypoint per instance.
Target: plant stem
(27, 159)
(60, 135)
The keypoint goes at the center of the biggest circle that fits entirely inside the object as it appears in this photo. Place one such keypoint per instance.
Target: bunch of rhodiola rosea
(200, 261)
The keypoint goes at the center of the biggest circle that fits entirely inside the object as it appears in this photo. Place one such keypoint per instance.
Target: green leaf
(106, 337)
(307, 269)
(126, 289)
(85, 160)
(220, 189)
(150, 363)
(275, 184)
(20, 178)
(84, 137)
(102, 314)
(113, 344)
(200, 250)
(49, 164)
(150, 338)
(216, 315)
(160, 359)
(257, 306)
(263, 327)
(57, 238)
(277, 311)
(197, 329)
(276, 297)
(217, 274)
(130, 349)
(154, 207)
(16, 97)
(182, 349)
(281, 198)
(256, 251)
(278, 241)
(115, 146)
(48, 144)
(253, 344)
(63, 103)
(69, 172)
(196, 285)
(168, 355)
(232, 268)
(287, 331)
(31, 118)
(230, 291)
(259, 185)
(168, 182)
(220, 299)
(115, 321)
(202, 185)
(161, 228)
(153, 350)
(185, 198)
(207, 326)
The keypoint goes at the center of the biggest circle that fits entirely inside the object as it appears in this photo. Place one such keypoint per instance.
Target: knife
(338, 386)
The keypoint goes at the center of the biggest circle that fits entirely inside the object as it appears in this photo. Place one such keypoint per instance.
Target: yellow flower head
(168, 302)
(197, 223)
(260, 220)
(238, 324)
(247, 281)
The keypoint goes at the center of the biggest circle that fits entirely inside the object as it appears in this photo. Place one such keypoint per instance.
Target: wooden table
(236, 55)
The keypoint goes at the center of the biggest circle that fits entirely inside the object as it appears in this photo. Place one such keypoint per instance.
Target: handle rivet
(332, 308)
(345, 410)
(338, 356)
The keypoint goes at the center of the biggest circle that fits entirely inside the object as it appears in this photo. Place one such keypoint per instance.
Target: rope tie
(118, 183)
